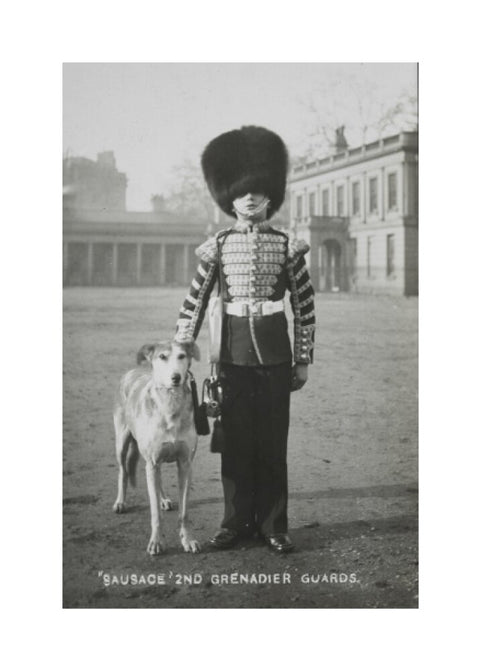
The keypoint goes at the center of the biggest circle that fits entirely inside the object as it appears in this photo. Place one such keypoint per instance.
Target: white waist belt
(254, 309)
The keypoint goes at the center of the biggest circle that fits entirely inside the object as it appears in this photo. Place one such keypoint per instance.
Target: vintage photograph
(240, 335)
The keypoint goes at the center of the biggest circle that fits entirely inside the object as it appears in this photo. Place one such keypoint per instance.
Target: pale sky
(156, 115)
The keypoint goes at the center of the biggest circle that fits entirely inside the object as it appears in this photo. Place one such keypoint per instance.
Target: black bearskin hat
(249, 160)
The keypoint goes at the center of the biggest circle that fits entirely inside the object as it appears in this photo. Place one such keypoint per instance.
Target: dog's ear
(144, 354)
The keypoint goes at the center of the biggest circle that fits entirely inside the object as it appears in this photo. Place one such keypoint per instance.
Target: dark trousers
(255, 417)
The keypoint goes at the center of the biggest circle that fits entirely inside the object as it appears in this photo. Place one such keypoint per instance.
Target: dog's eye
(162, 357)
(181, 356)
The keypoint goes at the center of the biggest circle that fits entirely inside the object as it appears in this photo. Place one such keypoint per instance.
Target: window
(325, 208)
(299, 207)
(373, 195)
(392, 191)
(311, 204)
(340, 200)
(390, 255)
(356, 198)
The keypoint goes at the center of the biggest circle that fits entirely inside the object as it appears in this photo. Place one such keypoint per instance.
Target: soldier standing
(255, 265)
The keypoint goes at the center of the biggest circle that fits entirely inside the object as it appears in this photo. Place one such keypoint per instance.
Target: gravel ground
(352, 468)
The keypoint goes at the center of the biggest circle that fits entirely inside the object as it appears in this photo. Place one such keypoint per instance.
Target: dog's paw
(190, 545)
(119, 507)
(166, 504)
(157, 544)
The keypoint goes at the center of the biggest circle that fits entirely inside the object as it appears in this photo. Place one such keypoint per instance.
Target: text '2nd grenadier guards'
(254, 265)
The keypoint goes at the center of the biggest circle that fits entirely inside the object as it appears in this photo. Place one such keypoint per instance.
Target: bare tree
(190, 197)
(359, 105)
(403, 115)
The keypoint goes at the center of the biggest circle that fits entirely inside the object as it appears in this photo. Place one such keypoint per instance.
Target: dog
(153, 416)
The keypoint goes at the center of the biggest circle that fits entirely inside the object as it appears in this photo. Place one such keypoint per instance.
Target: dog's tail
(131, 461)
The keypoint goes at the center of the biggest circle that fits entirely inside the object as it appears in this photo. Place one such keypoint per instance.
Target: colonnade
(89, 263)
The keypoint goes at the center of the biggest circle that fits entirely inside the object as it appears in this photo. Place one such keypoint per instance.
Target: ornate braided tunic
(258, 265)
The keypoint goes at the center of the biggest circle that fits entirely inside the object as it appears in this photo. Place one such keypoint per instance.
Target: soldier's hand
(299, 376)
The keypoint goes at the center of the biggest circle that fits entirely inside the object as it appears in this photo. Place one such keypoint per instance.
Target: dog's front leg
(165, 501)
(122, 438)
(156, 544)
(184, 480)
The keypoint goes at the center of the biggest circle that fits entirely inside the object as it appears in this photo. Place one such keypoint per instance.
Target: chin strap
(251, 214)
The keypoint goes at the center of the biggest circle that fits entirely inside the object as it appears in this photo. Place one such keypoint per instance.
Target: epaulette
(297, 248)
(208, 251)
(222, 233)
(279, 231)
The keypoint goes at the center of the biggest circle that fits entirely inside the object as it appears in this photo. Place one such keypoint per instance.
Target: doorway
(331, 265)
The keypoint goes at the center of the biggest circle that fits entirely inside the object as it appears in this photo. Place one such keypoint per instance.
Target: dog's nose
(176, 377)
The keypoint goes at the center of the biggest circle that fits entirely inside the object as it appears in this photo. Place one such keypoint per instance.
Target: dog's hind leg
(131, 460)
(189, 543)
(156, 544)
(123, 438)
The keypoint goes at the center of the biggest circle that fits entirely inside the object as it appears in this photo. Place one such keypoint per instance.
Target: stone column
(115, 264)
(139, 264)
(382, 195)
(65, 263)
(403, 196)
(312, 256)
(162, 265)
(319, 254)
(89, 263)
(365, 198)
(186, 269)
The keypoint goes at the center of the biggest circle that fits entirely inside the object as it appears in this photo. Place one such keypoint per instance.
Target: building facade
(95, 184)
(358, 210)
(102, 248)
(105, 245)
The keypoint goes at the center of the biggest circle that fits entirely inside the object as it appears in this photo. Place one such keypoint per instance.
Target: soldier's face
(248, 204)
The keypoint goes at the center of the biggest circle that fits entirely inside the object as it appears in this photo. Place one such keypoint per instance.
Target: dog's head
(170, 361)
